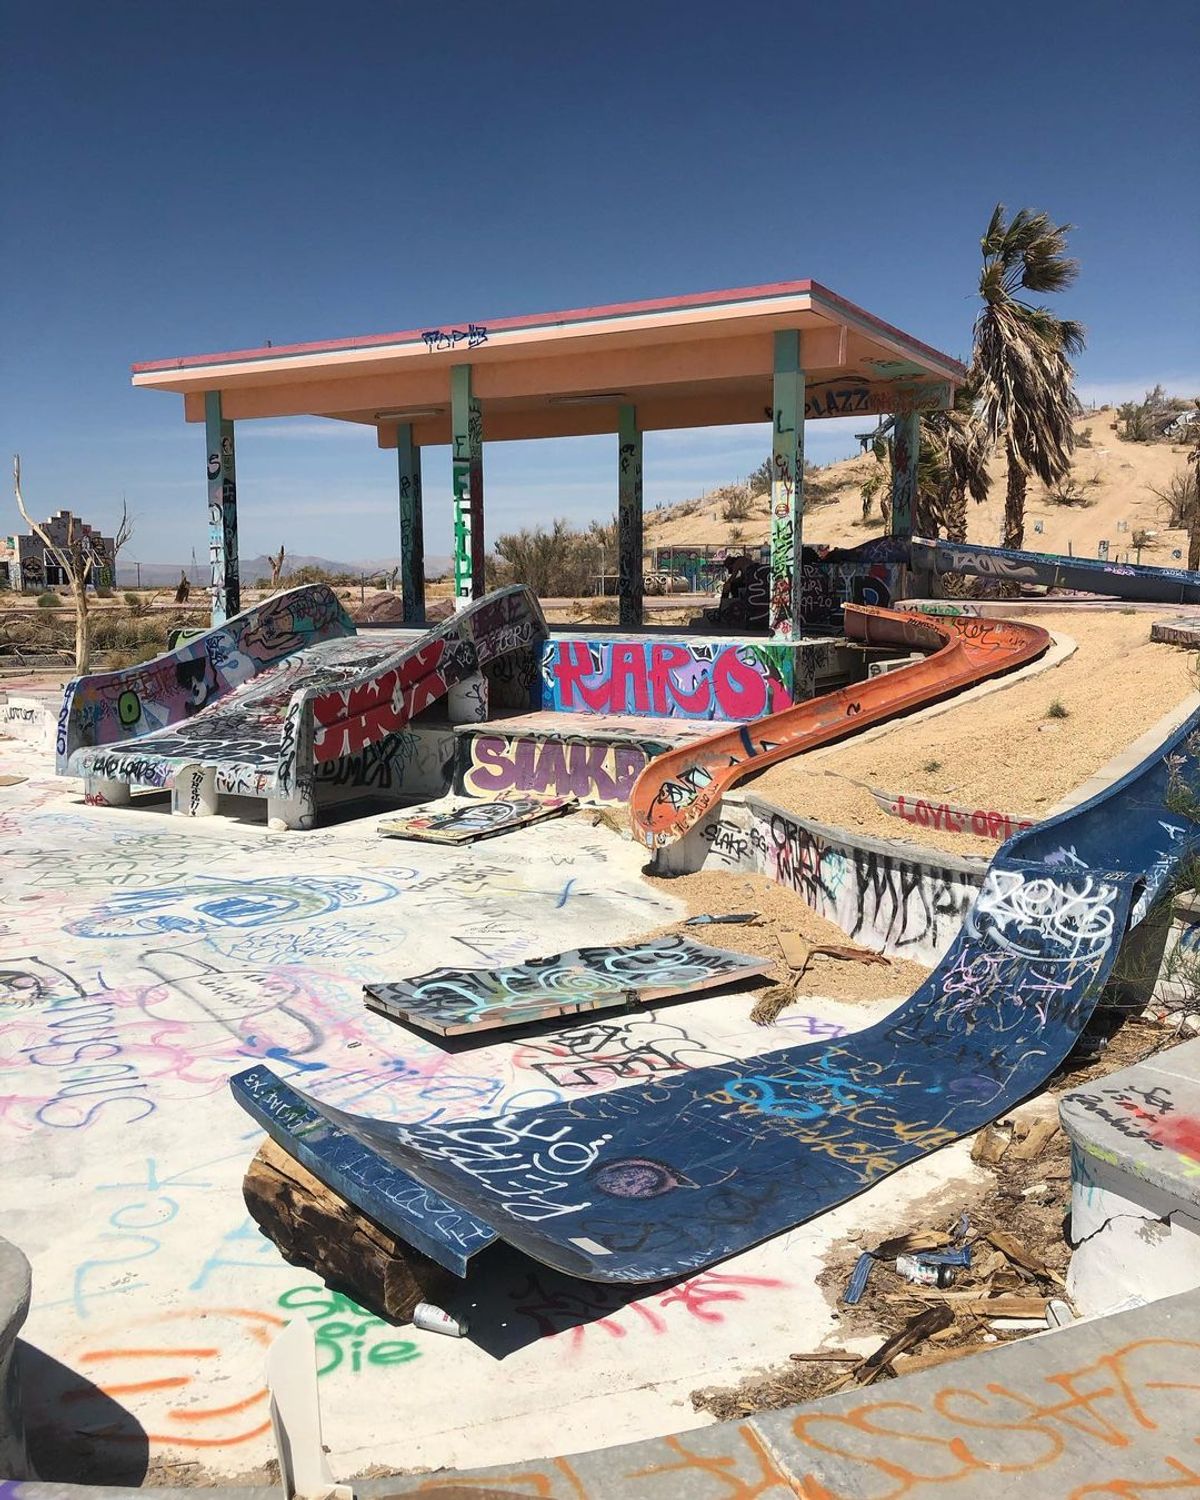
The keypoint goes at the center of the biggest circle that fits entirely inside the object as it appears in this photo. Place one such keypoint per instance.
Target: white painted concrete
(145, 959)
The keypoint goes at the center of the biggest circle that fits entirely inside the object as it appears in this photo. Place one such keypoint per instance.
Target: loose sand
(781, 910)
(1001, 751)
(1115, 479)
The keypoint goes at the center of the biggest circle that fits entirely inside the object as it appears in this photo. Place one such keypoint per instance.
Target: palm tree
(953, 462)
(1022, 355)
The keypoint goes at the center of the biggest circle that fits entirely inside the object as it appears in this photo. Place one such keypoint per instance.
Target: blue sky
(178, 180)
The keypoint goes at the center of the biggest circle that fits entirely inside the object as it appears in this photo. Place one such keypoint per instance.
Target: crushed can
(437, 1320)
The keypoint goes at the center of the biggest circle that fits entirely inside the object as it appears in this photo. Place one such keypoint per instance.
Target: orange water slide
(677, 789)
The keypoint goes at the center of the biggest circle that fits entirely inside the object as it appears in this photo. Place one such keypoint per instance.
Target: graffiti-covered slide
(1089, 574)
(260, 705)
(659, 1179)
(678, 788)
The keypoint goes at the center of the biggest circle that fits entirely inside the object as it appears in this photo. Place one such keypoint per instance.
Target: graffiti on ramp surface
(651, 1181)
(450, 1001)
(475, 821)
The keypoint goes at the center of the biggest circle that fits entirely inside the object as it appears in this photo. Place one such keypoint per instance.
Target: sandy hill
(1113, 478)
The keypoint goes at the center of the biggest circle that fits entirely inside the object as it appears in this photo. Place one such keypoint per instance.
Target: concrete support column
(466, 417)
(467, 701)
(298, 811)
(194, 794)
(787, 487)
(100, 792)
(412, 527)
(629, 518)
(225, 586)
(906, 452)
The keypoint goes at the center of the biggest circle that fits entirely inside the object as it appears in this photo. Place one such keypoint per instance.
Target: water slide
(1091, 575)
(256, 705)
(679, 788)
(659, 1179)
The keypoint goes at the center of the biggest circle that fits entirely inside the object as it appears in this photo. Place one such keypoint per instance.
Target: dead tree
(184, 588)
(276, 568)
(77, 559)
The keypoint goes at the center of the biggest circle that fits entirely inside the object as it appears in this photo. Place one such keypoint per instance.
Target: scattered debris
(992, 1142)
(798, 953)
(437, 1320)
(1041, 1133)
(705, 918)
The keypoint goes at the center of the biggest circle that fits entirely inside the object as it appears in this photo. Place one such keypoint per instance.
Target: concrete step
(1135, 1181)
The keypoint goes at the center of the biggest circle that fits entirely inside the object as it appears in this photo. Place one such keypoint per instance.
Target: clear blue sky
(181, 178)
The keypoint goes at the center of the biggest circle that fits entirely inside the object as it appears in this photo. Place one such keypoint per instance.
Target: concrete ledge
(1135, 1180)
(892, 895)
(1183, 631)
(1108, 1405)
(15, 1286)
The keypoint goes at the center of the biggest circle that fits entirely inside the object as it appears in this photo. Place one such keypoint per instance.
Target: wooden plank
(316, 1228)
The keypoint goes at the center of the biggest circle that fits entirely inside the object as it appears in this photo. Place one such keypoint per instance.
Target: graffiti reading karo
(451, 1001)
(477, 820)
(655, 1180)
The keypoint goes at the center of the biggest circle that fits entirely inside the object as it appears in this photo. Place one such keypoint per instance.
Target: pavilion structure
(789, 353)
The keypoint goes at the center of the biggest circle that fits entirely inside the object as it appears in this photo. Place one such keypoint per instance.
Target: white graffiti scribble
(1042, 918)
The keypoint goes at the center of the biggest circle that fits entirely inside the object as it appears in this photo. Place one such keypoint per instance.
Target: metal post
(224, 585)
(906, 452)
(629, 518)
(466, 418)
(412, 527)
(787, 488)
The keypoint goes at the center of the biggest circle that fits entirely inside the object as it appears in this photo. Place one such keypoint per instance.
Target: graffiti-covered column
(225, 585)
(629, 518)
(412, 527)
(906, 450)
(787, 486)
(466, 417)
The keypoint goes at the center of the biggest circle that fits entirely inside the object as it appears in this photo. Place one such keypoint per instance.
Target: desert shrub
(738, 506)
(759, 483)
(1058, 710)
(558, 563)
(1070, 491)
(1084, 439)
(49, 601)
(1144, 540)
(1180, 496)
(1147, 420)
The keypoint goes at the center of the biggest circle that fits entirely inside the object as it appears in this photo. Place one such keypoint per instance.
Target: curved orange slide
(676, 789)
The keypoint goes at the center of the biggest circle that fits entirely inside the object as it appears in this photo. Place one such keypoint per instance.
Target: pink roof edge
(571, 315)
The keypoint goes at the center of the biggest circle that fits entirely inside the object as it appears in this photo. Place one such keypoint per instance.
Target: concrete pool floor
(144, 959)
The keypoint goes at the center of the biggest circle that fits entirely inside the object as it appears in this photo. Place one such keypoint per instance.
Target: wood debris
(991, 1143)
(1041, 1133)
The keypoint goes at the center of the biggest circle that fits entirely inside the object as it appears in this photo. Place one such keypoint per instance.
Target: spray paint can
(435, 1320)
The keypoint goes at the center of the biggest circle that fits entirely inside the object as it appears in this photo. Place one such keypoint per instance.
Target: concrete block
(1135, 1181)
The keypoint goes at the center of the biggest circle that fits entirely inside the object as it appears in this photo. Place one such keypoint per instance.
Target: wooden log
(315, 1227)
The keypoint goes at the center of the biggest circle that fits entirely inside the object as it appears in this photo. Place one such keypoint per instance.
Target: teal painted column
(225, 584)
(787, 487)
(629, 518)
(906, 453)
(412, 526)
(466, 417)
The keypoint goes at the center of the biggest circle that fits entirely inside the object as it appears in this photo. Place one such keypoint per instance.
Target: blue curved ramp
(1092, 575)
(649, 1182)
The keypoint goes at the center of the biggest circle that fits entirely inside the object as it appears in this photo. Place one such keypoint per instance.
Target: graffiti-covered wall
(901, 900)
(107, 708)
(598, 773)
(698, 679)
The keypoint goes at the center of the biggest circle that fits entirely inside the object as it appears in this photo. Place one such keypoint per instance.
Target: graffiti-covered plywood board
(478, 820)
(450, 1001)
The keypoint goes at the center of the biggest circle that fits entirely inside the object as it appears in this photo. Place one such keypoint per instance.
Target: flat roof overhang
(698, 361)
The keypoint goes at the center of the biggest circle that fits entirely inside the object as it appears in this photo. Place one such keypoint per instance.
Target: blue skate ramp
(653, 1181)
